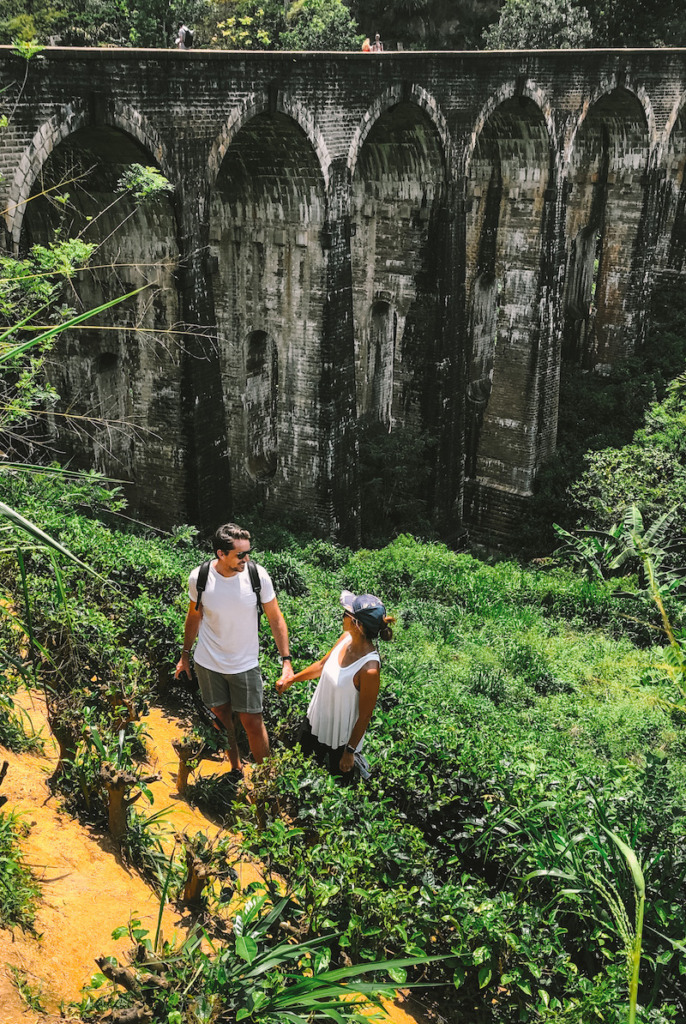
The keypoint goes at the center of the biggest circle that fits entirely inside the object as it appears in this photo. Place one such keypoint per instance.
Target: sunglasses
(243, 554)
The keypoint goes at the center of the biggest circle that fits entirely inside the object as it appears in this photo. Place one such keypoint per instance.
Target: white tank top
(335, 704)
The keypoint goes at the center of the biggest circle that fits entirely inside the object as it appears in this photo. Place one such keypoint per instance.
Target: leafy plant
(256, 975)
(570, 854)
(19, 892)
(144, 183)
(30, 993)
(651, 550)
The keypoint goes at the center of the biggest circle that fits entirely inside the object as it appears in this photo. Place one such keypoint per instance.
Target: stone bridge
(412, 240)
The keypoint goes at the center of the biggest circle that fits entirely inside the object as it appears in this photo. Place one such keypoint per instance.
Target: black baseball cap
(366, 608)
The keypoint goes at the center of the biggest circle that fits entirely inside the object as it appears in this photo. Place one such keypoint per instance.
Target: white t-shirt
(228, 639)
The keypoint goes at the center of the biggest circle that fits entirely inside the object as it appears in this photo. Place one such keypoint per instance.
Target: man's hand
(347, 762)
(183, 665)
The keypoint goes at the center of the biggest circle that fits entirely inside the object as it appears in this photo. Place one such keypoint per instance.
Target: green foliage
(543, 24)
(320, 25)
(19, 892)
(22, 22)
(426, 24)
(249, 24)
(511, 697)
(255, 975)
(30, 993)
(97, 23)
(144, 183)
(397, 477)
(16, 730)
(620, 436)
(270, 24)
(26, 47)
(540, 24)
(31, 288)
(143, 846)
(650, 472)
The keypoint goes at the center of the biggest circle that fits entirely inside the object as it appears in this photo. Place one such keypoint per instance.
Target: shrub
(19, 892)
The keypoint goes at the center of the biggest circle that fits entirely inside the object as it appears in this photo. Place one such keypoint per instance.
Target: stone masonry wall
(411, 238)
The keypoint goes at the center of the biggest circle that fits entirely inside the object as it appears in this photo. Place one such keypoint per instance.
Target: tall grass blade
(35, 531)
(163, 900)
(41, 339)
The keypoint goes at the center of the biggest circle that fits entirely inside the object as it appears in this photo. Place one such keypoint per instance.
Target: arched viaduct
(418, 239)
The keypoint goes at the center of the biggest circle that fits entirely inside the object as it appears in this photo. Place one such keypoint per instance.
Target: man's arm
(279, 629)
(190, 632)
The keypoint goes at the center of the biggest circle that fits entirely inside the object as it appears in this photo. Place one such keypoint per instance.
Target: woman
(345, 698)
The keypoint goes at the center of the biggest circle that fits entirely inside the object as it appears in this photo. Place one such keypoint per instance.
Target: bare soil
(87, 891)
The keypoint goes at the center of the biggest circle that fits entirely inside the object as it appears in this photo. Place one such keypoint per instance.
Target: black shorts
(325, 755)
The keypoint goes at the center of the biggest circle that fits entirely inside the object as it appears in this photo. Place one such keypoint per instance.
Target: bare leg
(225, 716)
(253, 723)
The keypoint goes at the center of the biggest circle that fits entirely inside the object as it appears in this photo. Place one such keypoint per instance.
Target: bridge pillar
(512, 385)
(340, 450)
(451, 367)
(208, 473)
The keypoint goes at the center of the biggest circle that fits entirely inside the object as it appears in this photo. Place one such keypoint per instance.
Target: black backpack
(188, 38)
(255, 582)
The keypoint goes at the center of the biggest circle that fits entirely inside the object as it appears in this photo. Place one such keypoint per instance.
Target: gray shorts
(242, 690)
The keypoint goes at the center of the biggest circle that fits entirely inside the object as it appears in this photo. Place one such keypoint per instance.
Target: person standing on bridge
(184, 38)
(377, 45)
(224, 615)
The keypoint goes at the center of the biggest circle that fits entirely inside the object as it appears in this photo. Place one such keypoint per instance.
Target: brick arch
(135, 124)
(674, 117)
(606, 88)
(47, 137)
(260, 104)
(389, 98)
(666, 141)
(607, 153)
(670, 162)
(508, 91)
(53, 132)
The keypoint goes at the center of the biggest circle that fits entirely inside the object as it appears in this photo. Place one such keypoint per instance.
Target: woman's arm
(312, 671)
(369, 678)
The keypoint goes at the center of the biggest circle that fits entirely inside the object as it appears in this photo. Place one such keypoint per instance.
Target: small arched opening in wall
(376, 383)
(605, 188)
(118, 376)
(261, 407)
(266, 222)
(507, 203)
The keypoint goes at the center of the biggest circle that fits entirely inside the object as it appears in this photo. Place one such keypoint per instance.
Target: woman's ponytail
(386, 633)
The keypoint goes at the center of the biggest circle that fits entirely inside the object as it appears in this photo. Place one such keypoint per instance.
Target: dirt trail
(87, 891)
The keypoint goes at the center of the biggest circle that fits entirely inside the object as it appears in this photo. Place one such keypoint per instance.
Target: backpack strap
(256, 584)
(203, 573)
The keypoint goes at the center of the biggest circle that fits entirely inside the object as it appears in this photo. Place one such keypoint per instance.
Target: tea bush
(517, 703)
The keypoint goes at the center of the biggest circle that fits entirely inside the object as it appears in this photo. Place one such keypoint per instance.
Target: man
(225, 625)
(184, 38)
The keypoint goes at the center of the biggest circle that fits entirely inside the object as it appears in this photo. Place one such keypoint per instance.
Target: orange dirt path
(87, 891)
